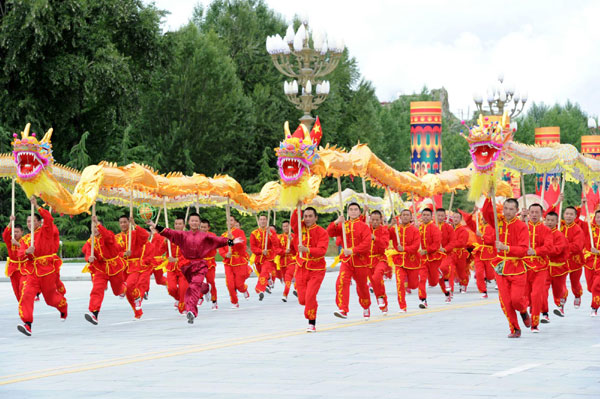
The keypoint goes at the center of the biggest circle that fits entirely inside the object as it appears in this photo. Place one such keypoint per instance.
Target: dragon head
(298, 152)
(32, 156)
(486, 142)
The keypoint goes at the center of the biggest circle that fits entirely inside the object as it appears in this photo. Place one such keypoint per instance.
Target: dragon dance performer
(212, 266)
(540, 246)
(235, 260)
(106, 265)
(176, 282)
(576, 238)
(265, 254)
(407, 260)
(447, 269)
(151, 261)
(593, 265)
(484, 251)
(355, 261)
(15, 260)
(557, 268)
(41, 268)
(431, 257)
(195, 245)
(510, 268)
(288, 250)
(132, 257)
(457, 256)
(380, 240)
(310, 269)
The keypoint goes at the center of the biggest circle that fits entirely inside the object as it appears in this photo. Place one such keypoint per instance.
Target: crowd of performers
(531, 255)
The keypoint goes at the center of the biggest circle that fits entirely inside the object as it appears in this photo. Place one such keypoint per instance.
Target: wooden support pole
(339, 183)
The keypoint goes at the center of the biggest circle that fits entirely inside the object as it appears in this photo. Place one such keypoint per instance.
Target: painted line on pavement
(163, 354)
(516, 370)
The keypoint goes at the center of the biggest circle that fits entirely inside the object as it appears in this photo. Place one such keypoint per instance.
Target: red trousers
(430, 270)
(194, 273)
(595, 288)
(483, 271)
(462, 270)
(99, 284)
(589, 278)
(406, 277)
(210, 279)
(290, 271)
(535, 292)
(60, 286)
(511, 291)
(47, 286)
(575, 277)
(265, 270)
(376, 277)
(342, 286)
(235, 277)
(448, 270)
(132, 287)
(17, 279)
(176, 287)
(145, 279)
(559, 290)
(308, 283)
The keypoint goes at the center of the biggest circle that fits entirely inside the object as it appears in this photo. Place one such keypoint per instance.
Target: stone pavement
(456, 350)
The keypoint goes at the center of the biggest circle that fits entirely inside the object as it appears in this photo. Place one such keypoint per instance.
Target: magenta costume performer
(195, 246)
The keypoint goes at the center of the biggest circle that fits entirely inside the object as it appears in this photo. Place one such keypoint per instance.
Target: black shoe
(145, 296)
(267, 289)
(91, 318)
(423, 304)
(295, 293)
(190, 317)
(25, 329)
(261, 296)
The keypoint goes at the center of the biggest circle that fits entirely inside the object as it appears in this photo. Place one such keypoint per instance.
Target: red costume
(236, 266)
(356, 265)
(107, 266)
(576, 240)
(380, 240)
(41, 269)
(593, 268)
(133, 267)
(212, 270)
(447, 267)
(456, 259)
(152, 260)
(265, 264)
(431, 239)
(14, 262)
(407, 260)
(483, 253)
(557, 268)
(177, 285)
(540, 240)
(287, 261)
(310, 268)
(511, 271)
(195, 246)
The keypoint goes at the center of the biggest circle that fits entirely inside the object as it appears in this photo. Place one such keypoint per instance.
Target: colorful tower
(426, 137)
(590, 147)
(543, 137)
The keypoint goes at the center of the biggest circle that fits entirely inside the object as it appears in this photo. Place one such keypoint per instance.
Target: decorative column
(545, 136)
(590, 147)
(426, 139)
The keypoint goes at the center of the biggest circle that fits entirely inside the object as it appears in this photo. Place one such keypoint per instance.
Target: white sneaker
(284, 298)
(367, 314)
(402, 311)
(215, 306)
(235, 306)
(246, 295)
(380, 303)
(577, 302)
(594, 313)
(176, 304)
(311, 329)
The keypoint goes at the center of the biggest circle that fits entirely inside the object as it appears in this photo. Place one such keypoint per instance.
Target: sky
(549, 49)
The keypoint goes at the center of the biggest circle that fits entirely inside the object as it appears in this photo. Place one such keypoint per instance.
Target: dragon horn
(286, 129)
(47, 136)
(504, 119)
(25, 133)
(306, 133)
(480, 120)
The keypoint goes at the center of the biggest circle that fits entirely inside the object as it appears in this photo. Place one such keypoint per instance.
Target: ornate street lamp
(501, 97)
(594, 126)
(306, 58)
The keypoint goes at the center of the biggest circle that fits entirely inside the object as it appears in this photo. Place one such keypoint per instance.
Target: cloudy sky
(550, 49)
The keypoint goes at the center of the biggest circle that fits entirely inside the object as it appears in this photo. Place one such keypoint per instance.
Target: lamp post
(593, 126)
(306, 57)
(501, 97)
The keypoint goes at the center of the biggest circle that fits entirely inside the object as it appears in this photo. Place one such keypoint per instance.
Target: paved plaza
(261, 350)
